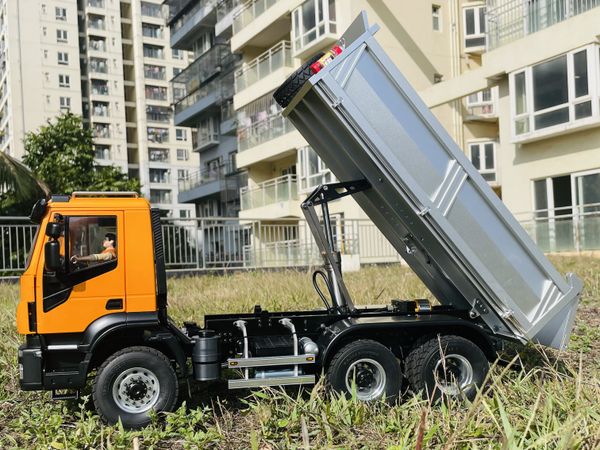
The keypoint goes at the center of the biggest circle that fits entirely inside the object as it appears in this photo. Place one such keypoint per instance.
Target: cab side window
(92, 241)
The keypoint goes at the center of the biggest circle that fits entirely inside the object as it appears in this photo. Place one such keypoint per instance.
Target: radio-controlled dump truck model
(94, 294)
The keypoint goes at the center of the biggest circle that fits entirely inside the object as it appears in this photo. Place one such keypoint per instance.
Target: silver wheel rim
(136, 390)
(453, 374)
(369, 376)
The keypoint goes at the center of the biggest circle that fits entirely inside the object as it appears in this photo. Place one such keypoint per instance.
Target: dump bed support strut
(324, 237)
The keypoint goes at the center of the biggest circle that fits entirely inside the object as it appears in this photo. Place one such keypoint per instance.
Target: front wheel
(368, 368)
(450, 366)
(133, 382)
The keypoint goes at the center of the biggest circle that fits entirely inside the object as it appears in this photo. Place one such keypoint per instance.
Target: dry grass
(551, 402)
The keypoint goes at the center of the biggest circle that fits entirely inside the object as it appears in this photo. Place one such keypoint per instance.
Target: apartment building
(537, 67)
(109, 61)
(203, 96)
(274, 38)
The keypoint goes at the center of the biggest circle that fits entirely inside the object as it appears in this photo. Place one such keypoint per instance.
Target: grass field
(551, 401)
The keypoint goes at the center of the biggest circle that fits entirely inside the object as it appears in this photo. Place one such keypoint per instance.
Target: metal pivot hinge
(337, 102)
(478, 309)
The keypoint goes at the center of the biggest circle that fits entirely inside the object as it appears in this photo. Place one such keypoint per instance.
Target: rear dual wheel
(446, 366)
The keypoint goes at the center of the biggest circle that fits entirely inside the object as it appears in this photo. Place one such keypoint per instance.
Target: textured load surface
(366, 122)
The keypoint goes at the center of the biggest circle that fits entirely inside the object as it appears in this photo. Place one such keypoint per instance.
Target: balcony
(98, 45)
(100, 109)
(96, 3)
(158, 135)
(270, 199)
(226, 9)
(98, 65)
(101, 131)
(99, 88)
(277, 57)
(208, 96)
(187, 17)
(482, 106)
(202, 69)
(160, 196)
(151, 10)
(96, 22)
(259, 23)
(314, 27)
(205, 183)
(158, 155)
(510, 20)
(263, 131)
(155, 72)
(152, 31)
(155, 93)
(102, 152)
(160, 114)
(206, 135)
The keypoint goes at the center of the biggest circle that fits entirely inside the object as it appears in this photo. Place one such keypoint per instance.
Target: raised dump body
(366, 122)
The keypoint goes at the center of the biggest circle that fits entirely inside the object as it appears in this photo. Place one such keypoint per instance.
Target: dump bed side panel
(365, 121)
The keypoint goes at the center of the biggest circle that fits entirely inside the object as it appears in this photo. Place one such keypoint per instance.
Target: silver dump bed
(366, 122)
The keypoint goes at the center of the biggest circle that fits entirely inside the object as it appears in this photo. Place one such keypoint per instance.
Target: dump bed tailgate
(366, 122)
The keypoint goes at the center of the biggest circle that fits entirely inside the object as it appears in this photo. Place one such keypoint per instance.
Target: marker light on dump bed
(326, 58)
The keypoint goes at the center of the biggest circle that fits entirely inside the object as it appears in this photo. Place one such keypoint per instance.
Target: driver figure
(109, 253)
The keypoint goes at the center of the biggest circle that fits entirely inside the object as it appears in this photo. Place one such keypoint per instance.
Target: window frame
(65, 82)
(62, 36)
(62, 58)
(303, 176)
(478, 34)
(58, 13)
(593, 76)
(481, 143)
(436, 16)
(328, 26)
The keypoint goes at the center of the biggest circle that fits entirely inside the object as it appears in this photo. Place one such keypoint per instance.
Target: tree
(19, 188)
(62, 154)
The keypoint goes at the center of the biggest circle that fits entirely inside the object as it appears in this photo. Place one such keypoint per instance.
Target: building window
(160, 196)
(184, 214)
(158, 155)
(555, 95)
(63, 58)
(160, 175)
(177, 71)
(153, 51)
(483, 157)
(482, 103)
(64, 80)
(177, 54)
(183, 174)
(157, 135)
(65, 103)
(61, 13)
(312, 169)
(566, 210)
(181, 134)
(102, 152)
(474, 27)
(151, 9)
(311, 21)
(436, 17)
(182, 154)
(61, 36)
(152, 31)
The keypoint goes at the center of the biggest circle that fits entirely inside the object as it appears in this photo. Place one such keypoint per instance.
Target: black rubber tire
(422, 360)
(145, 357)
(285, 93)
(364, 348)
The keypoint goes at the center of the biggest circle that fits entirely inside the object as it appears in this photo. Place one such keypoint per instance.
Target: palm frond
(19, 180)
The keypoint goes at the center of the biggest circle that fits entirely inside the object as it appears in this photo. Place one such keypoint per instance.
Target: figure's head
(110, 240)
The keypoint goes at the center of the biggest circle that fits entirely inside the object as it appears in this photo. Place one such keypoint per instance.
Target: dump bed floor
(366, 122)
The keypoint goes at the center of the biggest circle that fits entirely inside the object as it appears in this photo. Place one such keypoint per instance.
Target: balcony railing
(155, 72)
(176, 6)
(201, 177)
(102, 132)
(278, 56)
(250, 11)
(225, 7)
(97, 45)
(158, 154)
(100, 90)
(279, 189)
(100, 110)
(509, 20)
(221, 87)
(203, 68)
(263, 131)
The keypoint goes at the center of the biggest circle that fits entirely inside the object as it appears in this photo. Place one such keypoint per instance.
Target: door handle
(114, 303)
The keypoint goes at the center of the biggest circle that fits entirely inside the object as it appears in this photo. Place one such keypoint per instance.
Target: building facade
(535, 64)
(109, 61)
(203, 96)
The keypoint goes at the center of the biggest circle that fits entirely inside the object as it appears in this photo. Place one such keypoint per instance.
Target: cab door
(71, 298)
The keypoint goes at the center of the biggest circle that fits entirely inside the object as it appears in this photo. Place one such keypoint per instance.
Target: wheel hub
(453, 374)
(369, 378)
(136, 390)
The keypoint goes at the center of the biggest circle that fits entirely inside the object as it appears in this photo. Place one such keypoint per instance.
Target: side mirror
(52, 256)
(54, 230)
